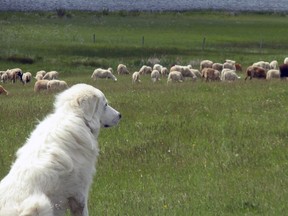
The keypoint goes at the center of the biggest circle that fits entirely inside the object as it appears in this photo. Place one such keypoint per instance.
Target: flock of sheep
(208, 71)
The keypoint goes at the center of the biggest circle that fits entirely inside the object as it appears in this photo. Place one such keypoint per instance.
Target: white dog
(54, 169)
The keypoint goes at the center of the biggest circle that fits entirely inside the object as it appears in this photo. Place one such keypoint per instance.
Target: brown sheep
(210, 74)
(256, 72)
(40, 85)
(2, 90)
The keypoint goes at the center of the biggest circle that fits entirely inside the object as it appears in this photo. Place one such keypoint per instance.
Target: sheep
(51, 75)
(13, 74)
(256, 72)
(122, 69)
(38, 77)
(229, 61)
(155, 75)
(102, 73)
(286, 60)
(196, 72)
(175, 76)
(238, 67)
(210, 74)
(145, 70)
(205, 64)
(229, 75)
(283, 71)
(3, 90)
(186, 71)
(4, 77)
(273, 64)
(262, 64)
(42, 72)
(26, 77)
(273, 73)
(164, 71)
(158, 67)
(56, 85)
(230, 66)
(217, 66)
(136, 77)
(40, 85)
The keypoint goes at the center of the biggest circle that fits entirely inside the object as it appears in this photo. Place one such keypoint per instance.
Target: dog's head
(90, 104)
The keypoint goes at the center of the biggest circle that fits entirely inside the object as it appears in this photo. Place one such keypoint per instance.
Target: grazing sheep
(122, 69)
(26, 77)
(205, 64)
(238, 67)
(229, 75)
(40, 85)
(230, 61)
(217, 66)
(14, 74)
(286, 60)
(42, 72)
(273, 73)
(102, 74)
(155, 75)
(38, 77)
(274, 64)
(175, 76)
(51, 75)
(145, 70)
(256, 72)
(136, 77)
(210, 74)
(283, 71)
(230, 66)
(4, 77)
(164, 71)
(262, 64)
(53, 85)
(3, 90)
(197, 73)
(158, 67)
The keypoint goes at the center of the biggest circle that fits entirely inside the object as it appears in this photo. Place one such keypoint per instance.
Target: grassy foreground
(186, 149)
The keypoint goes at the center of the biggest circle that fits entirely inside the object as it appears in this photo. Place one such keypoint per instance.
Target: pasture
(191, 148)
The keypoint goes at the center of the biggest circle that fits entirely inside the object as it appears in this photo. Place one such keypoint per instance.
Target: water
(146, 5)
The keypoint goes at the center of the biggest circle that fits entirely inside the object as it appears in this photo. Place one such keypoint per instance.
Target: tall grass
(193, 148)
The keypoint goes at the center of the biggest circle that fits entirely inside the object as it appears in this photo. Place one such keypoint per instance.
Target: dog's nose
(120, 116)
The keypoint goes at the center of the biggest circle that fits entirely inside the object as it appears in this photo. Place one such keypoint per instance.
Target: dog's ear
(89, 106)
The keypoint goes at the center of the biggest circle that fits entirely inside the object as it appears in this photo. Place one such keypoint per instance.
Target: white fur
(54, 169)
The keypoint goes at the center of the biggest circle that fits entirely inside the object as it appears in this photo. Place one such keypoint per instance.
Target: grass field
(193, 148)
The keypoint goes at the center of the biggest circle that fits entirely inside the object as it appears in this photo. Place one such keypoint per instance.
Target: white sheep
(136, 77)
(40, 85)
(155, 75)
(230, 66)
(205, 64)
(26, 77)
(42, 72)
(262, 64)
(175, 76)
(102, 74)
(229, 75)
(14, 74)
(196, 72)
(51, 75)
(273, 73)
(53, 85)
(145, 70)
(158, 67)
(274, 64)
(38, 77)
(286, 60)
(122, 69)
(164, 71)
(4, 77)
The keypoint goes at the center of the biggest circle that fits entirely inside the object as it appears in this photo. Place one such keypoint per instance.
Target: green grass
(193, 148)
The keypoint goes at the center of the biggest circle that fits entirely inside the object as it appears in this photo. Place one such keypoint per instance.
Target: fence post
(203, 43)
(94, 38)
(142, 40)
(261, 45)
